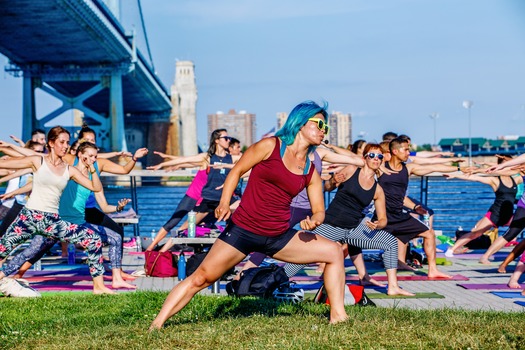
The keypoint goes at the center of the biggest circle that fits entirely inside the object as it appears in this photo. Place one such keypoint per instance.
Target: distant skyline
(389, 63)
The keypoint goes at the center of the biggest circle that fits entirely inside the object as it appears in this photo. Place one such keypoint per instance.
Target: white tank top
(47, 189)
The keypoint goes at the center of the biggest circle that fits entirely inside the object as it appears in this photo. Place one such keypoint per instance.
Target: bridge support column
(116, 114)
(29, 121)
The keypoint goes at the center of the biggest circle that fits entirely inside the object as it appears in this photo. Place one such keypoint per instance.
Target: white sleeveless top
(47, 189)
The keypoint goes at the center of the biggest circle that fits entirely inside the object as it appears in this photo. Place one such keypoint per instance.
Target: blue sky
(390, 63)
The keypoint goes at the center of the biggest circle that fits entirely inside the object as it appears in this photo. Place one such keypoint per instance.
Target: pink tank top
(195, 189)
(265, 205)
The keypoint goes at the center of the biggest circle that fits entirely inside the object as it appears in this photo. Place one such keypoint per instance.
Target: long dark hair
(215, 135)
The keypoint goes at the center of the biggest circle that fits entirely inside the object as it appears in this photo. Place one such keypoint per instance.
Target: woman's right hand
(222, 212)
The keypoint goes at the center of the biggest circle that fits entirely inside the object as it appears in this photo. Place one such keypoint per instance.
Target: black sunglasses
(375, 155)
(227, 138)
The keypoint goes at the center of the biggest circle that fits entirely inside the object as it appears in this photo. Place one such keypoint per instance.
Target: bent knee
(200, 279)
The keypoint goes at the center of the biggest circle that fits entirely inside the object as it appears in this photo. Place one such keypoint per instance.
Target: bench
(129, 221)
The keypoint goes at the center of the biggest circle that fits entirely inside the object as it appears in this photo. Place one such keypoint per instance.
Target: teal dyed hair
(297, 118)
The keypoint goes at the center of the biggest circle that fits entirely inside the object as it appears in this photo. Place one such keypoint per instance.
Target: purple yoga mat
(384, 278)
(488, 286)
(64, 287)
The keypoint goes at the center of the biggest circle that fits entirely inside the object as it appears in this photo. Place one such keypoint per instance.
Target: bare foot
(127, 276)
(514, 284)
(338, 319)
(438, 274)
(398, 291)
(371, 282)
(502, 269)
(122, 284)
(484, 261)
(404, 266)
(103, 290)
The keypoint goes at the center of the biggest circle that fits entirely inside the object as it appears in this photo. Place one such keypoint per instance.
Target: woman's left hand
(372, 224)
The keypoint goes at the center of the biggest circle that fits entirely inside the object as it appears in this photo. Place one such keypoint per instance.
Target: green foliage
(82, 321)
(425, 147)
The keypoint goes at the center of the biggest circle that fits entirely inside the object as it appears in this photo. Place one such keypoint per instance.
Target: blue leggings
(30, 223)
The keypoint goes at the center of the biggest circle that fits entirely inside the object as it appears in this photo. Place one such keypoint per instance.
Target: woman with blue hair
(280, 169)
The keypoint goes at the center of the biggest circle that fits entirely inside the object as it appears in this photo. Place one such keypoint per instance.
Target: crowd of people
(54, 188)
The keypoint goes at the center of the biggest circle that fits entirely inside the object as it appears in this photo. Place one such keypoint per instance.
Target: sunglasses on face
(227, 138)
(375, 155)
(321, 124)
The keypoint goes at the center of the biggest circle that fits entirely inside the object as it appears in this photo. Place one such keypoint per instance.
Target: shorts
(206, 206)
(406, 228)
(496, 224)
(247, 242)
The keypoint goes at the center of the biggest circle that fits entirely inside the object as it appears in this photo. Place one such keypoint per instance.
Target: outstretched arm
(15, 174)
(332, 157)
(106, 208)
(200, 159)
(108, 166)
(21, 190)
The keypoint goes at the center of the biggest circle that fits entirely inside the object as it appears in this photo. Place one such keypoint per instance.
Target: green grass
(83, 321)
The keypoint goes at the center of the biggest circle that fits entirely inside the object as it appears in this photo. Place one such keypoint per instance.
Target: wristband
(415, 206)
(459, 168)
(92, 172)
(134, 159)
(117, 209)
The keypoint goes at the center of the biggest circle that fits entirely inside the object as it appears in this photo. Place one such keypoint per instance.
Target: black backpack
(258, 281)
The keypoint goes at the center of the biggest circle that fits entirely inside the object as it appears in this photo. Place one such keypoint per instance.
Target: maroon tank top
(265, 204)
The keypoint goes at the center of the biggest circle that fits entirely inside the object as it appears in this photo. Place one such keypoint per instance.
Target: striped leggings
(360, 236)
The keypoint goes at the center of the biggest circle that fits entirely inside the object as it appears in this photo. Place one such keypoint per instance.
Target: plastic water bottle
(191, 224)
(37, 266)
(426, 219)
(153, 234)
(181, 266)
(71, 254)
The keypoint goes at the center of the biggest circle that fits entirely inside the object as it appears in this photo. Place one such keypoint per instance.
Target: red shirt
(265, 204)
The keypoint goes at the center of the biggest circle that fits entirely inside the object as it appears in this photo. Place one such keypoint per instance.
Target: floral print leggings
(35, 222)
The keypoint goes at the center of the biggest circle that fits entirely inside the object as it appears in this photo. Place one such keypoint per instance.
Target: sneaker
(449, 253)
(131, 244)
(13, 288)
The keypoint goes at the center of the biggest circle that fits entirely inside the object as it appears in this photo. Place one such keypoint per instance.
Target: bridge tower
(182, 135)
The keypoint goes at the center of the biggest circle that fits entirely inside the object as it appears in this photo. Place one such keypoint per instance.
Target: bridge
(78, 52)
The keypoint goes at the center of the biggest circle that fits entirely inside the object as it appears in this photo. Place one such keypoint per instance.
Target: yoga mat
(520, 303)
(431, 295)
(508, 295)
(384, 278)
(484, 286)
(70, 288)
(85, 278)
(309, 286)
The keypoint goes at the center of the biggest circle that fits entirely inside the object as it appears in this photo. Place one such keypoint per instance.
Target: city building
(241, 125)
(340, 129)
(182, 133)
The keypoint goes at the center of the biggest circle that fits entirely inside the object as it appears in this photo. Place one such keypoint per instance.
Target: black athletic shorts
(405, 227)
(247, 242)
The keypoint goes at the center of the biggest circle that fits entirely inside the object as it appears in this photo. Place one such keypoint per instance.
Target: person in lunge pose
(346, 223)
(280, 169)
(499, 213)
(40, 215)
(400, 223)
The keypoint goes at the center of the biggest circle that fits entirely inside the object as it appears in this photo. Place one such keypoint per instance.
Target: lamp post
(434, 116)
(468, 105)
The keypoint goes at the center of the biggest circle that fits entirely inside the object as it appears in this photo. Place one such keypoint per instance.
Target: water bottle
(153, 234)
(71, 254)
(181, 266)
(37, 266)
(191, 224)
(426, 219)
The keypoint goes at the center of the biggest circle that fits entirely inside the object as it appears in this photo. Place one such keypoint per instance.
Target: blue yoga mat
(508, 295)
(521, 303)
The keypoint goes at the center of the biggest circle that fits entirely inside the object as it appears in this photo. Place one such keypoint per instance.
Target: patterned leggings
(361, 237)
(30, 223)
(41, 245)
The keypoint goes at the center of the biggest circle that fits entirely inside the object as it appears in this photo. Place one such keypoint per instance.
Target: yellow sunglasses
(321, 125)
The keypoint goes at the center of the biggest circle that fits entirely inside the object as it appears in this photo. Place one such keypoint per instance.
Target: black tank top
(216, 178)
(346, 209)
(503, 206)
(395, 187)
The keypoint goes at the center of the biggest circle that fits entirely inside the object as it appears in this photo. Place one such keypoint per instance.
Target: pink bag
(160, 264)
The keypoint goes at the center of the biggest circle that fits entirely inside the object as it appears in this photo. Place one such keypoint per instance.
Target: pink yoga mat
(69, 288)
(86, 278)
(384, 278)
(488, 286)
